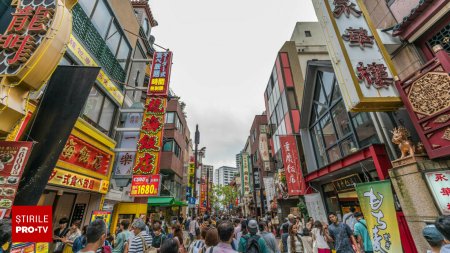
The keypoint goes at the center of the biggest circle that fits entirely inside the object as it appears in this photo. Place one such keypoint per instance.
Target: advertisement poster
(23, 248)
(104, 215)
(315, 207)
(377, 204)
(439, 183)
(269, 186)
(13, 158)
(294, 178)
(145, 185)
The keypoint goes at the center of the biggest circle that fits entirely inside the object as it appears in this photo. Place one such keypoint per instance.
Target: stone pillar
(414, 195)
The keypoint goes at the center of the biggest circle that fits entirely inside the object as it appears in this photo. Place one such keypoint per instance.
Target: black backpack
(252, 244)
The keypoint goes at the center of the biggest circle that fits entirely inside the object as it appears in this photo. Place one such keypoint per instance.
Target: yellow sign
(78, 50)
(73, 180)
(42, 247)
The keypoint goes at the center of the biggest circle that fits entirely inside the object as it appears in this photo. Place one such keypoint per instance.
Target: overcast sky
(224, 51)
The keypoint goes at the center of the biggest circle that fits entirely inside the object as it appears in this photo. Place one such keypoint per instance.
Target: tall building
(205, 169)
(238, 160)
(225, 175)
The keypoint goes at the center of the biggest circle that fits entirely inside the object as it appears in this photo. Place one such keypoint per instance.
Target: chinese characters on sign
(160, 75)
(377, 204)
(358, 37)
(84, 155)
(315, 206)
(24, 34)
(439, 183)
(374, 75)
(347, 183)
(145, 185)
(294, 178)
(73, 180)
(13, 158)
(245, 172)
(203, 204)
(346, 7)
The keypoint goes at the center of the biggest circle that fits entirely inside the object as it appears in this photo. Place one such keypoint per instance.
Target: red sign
(203, 192)
(13, 158)
(294, 177)
(84, 155)
(145, 185)
(32, 224)
(160, 75)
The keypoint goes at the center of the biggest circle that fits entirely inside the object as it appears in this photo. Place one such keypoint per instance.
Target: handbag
(147, 248)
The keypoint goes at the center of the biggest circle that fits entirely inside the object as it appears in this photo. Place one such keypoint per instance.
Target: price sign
(145, 185)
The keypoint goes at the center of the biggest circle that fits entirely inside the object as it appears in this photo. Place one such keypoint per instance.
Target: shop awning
(160, 201)
(180, 203)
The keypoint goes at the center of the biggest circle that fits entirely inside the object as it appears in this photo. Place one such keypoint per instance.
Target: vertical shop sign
(439, 183)
(203, 193)
(377, 204)
(269, 187)
(246, 173)
(315, 206)
(256, 179)
(13, 158)
(264, 148)
(294, 177)
(151, 135)
(191, 178)
(365, 72)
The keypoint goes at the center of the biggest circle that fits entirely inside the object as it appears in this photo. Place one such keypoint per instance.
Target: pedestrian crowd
(227, 235)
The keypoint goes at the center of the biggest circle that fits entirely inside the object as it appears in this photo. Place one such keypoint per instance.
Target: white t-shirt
(320, 241)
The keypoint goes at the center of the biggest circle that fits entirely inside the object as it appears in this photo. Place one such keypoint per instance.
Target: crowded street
(199, 126)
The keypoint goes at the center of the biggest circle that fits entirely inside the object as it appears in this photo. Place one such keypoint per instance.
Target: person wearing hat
(443, 226)
(361, 233)
(434, 238)
(252, 242)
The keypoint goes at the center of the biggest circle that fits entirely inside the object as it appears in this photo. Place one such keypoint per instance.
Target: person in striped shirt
(141, 237)
(199, 243)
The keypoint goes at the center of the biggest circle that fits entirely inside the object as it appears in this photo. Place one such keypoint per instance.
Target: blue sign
(192, 200)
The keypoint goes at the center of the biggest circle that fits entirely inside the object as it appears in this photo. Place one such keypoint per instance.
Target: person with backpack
(252, 243)
(142, 241)
(349, 218)
(361, 233)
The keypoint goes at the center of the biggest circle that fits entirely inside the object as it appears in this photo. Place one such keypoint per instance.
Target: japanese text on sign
(439, 183)
(74, 180)
(145, 185)
(294, 178)
(160, 75)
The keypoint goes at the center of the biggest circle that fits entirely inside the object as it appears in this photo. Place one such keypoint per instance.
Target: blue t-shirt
(361, 230)
(341, 235)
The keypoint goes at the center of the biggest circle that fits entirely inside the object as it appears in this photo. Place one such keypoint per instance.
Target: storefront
(78, 184)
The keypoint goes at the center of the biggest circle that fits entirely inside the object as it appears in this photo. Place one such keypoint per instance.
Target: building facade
(225, 174)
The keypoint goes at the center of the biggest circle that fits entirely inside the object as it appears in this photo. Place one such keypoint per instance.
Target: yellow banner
(377, 204)
(78, 50)
(73, 180)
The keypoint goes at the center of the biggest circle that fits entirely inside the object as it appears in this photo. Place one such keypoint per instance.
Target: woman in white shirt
(294, 242)
(320, 235)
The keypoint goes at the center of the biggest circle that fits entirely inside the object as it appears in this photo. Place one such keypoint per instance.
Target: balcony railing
(86, 32)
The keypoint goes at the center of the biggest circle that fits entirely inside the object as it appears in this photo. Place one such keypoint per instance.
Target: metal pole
(196, 141)
(207, 190)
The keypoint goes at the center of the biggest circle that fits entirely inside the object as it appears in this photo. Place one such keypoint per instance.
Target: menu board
(78, 212)
(13, 158)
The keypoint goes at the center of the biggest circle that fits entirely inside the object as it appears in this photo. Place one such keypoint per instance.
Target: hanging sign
(439, 183)
(269, 188)
(363, 68)
(294, 176)
(13, 158)
(377, 204)
(246, 173)
(315, 207)
(160, 75)
(145, 185)
(74, 180)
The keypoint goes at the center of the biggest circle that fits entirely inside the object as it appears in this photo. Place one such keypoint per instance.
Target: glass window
(146, 27)
(348, 146)
(170, 118)
(328, 131)
(364, 128)
(93, 105)
(107, 115)
(87, 5)
(336, 92)
(280, 115)
(334, 153)
(168, 145)
(317, 139)
(319, 99)
(101, 18)
(284, 103)
(113, 38)
(341, 120)
(328, 83)
(123, 53)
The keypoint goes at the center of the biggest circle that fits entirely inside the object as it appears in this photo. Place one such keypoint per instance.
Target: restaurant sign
(145, 185)
(364, 70)
(439, 183)
(13, 158)
(294, 176)
(245, 173)
(70, 179)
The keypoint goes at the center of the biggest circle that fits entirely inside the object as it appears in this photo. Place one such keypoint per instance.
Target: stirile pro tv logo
(32, 224)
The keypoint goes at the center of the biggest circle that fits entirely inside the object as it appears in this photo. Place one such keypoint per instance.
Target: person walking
(252, 243)
(225, 230)
(178, 235)
(442, 224)
(169, 246)
(211, 239)
(80, 242)
(284, 236)
(269, 238)
(342, 235)
(294, 241)
(199, 243)
(193, 226)
(320, 236)
(307, 241)
(141, 239)
(72, 235)
(95, 236)
(59, 234)
(157, 237)
(122, 238)
(349, 218)
(434, 238)
(362, 234)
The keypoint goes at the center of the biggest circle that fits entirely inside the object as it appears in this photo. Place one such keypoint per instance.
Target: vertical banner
(377, 204)
(246, 173)
(151, 135)
(315, 207)
(294, 177)
(269, 187)
(203, 193)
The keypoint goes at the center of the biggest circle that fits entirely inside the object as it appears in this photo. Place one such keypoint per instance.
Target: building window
(334, 132)
(308, 33)
(170, 118)
(170, 145)
(99, 110)
(101, 18)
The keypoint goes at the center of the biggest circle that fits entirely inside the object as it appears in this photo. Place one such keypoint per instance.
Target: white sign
(124, 164)
(439, 183)
(269, 186)
(263, 147)
(315, 207)
(362, 66)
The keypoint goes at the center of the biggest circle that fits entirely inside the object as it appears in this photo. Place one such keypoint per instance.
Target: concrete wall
(402, 8)
(125, 15)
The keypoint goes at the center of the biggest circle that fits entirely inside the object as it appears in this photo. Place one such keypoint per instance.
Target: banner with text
(377, 204)
(294, 177)
(145, 185)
